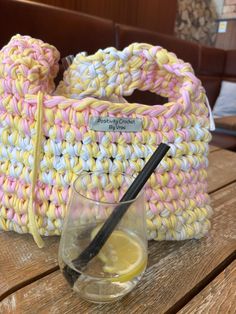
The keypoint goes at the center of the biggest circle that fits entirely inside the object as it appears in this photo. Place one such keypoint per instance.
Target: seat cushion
(230, 64)
(212, 61)
(226, 102)
(212, 86)
(69, 31)
(228, 123)
(222, 140)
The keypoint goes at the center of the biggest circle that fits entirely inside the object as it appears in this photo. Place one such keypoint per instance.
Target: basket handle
(139, 66)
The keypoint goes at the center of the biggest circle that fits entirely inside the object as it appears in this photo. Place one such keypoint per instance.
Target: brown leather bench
(70, 32)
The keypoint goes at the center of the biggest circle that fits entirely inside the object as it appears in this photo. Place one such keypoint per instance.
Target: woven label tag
(109, 124)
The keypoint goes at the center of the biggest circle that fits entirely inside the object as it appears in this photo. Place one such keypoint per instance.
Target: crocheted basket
(46, 140)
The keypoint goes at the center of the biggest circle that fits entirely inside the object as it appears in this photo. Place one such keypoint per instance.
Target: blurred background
(209, 22)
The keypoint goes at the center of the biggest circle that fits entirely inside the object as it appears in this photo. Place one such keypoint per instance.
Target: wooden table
(195, 276)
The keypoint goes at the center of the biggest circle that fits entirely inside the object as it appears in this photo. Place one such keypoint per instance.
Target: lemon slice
(123, 255)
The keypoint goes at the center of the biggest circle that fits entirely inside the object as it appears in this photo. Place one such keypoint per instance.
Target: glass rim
(102, 202)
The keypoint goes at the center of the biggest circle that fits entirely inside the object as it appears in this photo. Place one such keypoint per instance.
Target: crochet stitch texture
(46, 139)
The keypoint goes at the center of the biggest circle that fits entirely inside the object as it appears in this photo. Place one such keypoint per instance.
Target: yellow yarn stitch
(38, 139)
(70, 146)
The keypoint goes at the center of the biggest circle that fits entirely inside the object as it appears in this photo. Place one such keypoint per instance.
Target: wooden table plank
(34, 262)
(21, 260)
(172, 278)
(218, 297)
(222, 169)
(214, 148)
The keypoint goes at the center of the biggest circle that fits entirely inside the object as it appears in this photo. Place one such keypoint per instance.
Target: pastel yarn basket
(47, 139)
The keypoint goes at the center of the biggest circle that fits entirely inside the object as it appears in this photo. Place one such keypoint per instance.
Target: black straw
(103, 234)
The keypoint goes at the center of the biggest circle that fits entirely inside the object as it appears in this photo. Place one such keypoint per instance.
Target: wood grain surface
(213, 148)
(227, 40)
(21, 260)
(218, 297)
(222, 169)
(176, 272)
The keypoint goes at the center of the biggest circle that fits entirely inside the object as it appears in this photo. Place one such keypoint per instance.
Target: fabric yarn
(47, 137)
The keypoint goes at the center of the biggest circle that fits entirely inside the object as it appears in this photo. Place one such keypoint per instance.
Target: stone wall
(196, 20)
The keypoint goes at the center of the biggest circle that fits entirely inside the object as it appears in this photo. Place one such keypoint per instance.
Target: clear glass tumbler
(121, 262)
